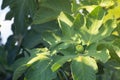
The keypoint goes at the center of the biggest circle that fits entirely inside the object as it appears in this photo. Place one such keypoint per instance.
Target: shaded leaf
(112, 64)
(19, 71)
(21, 9)
(32, 39)
(40, 32)
(59, 5)
(45, 15)
(5, 3)
(12, 49)
(9, 15)
(49, 10)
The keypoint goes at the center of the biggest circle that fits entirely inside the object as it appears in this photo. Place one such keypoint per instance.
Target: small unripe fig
(79, 48)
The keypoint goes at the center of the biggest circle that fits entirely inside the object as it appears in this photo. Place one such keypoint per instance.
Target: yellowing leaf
(114, 12)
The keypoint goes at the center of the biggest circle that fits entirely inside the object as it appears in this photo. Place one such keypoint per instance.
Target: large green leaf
(102, 55)
(83, 68)
(93, 23)
(22, 69)
(32, 39)
(108, 45)
(22, 64)
(22, 9)
(49, 10)
(40, 71)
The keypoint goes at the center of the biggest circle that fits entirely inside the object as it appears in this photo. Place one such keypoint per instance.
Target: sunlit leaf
(114, 12)
(101, 55)
(83, 68)
(40, 70)
(65, 23)
(95, 29)
(107, 3)
(27, 62)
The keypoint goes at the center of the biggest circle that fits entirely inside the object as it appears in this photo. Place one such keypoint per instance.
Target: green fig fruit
(79, 48)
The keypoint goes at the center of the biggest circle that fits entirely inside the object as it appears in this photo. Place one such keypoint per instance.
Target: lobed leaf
(83, 68)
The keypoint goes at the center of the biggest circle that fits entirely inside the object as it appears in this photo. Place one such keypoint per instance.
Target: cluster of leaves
(64, 40)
